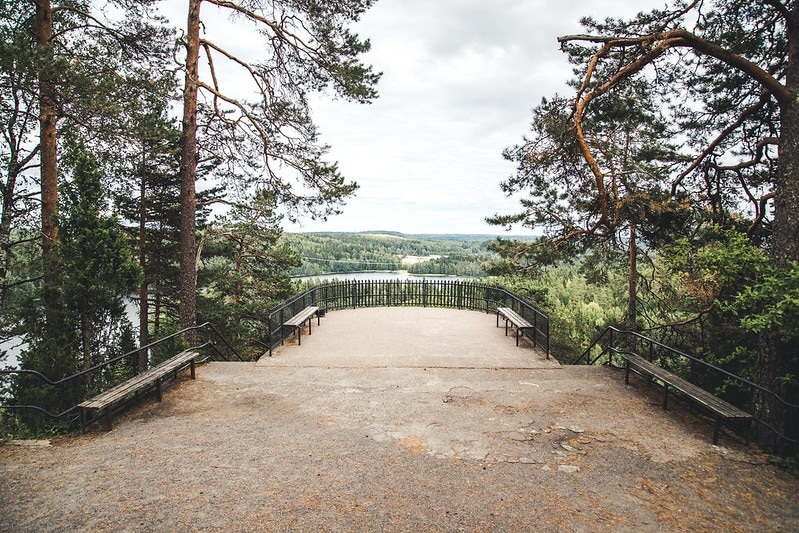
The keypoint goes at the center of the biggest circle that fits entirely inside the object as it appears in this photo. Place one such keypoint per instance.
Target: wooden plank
(514, 317)
(138, 381)
(301, 317)
(721, 408)
(698, 394)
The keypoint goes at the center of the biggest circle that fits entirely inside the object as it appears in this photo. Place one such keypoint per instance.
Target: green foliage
(96, 256)
(245, 273)
(771, 303)
(672, 137)
(724, 294)
(452, 265)
(89, 326)
(578, 310)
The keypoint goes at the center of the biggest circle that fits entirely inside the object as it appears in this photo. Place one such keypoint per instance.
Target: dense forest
(664, 186)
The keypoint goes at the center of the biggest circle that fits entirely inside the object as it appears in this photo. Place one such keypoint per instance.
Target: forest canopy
(676, 158)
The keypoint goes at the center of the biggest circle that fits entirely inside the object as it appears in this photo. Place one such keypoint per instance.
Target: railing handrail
(692, 358)
(616, 333)
(463, 294)
(77, 375)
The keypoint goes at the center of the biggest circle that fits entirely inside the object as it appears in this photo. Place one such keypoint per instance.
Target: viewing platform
(398, 419)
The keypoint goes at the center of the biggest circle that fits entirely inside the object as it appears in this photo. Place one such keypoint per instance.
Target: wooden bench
(298, 321)
(512, 317)
(155, 375)
(722, 411)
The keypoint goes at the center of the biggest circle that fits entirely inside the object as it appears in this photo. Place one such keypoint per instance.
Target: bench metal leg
(191, 365)
(626, 372)
(518, 331)
(716, 430)
(108, 419)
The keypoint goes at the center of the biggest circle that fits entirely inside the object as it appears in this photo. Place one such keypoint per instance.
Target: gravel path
(399, 420)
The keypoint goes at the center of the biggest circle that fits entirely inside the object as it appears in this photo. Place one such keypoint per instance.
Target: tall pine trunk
(144, 302)
(48, 153)
(632, 282)
(777, 357)
(188, 177)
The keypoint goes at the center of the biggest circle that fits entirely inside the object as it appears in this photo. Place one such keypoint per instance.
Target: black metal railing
(89, 382)
(739, 391)
(453, 294)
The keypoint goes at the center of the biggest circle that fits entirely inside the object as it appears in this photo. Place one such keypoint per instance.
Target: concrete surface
(400, 419)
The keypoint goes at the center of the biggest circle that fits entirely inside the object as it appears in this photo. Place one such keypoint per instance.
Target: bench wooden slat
(710, 401)
(512, 317)
(105, 399)
(297, 321)
(302, 316)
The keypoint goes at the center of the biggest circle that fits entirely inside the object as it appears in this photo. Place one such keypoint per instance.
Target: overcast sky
(460, 78)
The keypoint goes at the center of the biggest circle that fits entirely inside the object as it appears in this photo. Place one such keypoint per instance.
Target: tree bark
(776, 356)
(786, 201)
(5, 228)
(188, 176)
(632, 286)
(48, 157)
(144, 303)
(48, 151)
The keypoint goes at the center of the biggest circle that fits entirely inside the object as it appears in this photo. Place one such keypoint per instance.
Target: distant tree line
(338, 253)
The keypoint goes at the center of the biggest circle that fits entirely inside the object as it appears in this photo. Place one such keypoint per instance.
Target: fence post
(547, 326)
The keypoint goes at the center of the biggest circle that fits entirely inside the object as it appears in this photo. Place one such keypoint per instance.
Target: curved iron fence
(453, 294)
(77, 387)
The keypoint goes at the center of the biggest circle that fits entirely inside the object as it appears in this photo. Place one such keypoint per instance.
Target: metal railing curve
(455, 294)
(744, 393)
(214, 344)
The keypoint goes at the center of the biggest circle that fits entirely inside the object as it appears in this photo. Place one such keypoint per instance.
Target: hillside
(435, 254)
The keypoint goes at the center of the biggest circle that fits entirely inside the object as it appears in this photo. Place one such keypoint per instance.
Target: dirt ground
(398, 420)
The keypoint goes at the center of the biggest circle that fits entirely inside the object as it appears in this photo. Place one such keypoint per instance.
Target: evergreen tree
(271, 143)
(244, 273)
(724, 75)
(613, 220)
(99, 272)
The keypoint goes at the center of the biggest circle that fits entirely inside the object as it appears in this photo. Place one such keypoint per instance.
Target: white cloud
(460, 78)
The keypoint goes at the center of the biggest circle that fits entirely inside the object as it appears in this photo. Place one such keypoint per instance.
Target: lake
(391, 275)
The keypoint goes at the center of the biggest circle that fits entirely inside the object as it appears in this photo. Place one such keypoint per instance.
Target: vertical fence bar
(439, 293)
